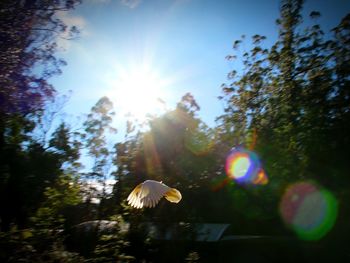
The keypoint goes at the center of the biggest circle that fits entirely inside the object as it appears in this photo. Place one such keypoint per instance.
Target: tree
(28, 41)
(29, 32)
(294, 97)
(97, 124)
(287, 94)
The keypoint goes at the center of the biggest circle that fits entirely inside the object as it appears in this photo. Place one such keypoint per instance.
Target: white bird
(148, 194)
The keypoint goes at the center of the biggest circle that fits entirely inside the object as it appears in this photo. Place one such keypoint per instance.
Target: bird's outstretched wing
(173, 195)
(148, 194)
(134, 199)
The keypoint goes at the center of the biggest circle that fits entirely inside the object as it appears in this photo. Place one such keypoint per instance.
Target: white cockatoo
(148, 194)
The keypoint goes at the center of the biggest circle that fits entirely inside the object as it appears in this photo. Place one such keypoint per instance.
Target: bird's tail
(173, 195)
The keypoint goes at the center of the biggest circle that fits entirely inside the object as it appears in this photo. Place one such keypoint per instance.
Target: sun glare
(138, 91)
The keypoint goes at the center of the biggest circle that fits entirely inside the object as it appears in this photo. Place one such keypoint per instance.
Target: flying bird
(148, 194)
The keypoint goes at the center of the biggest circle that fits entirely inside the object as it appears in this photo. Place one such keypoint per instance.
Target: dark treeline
(291, 102)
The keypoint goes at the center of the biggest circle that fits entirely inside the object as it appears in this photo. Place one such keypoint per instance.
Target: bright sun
(138, 91)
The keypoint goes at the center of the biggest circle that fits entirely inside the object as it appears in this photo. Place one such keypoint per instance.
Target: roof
(210, 232)
(186, 231)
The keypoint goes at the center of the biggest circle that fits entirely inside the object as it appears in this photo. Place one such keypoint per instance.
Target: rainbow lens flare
(309, 210)
(244, 167)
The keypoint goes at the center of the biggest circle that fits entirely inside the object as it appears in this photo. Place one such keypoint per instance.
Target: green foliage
(192, 257)
(62, 143)
(111, 246)
(45, 238)
(30, 245)
(65, 192)
(289, 94)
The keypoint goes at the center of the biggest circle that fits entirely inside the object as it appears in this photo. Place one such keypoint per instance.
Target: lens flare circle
(240, 166)
(309, 210)
(244, 166)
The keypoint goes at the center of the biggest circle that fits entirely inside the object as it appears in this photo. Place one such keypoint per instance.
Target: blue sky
(182, 42)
